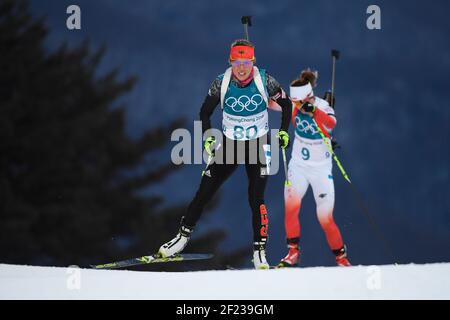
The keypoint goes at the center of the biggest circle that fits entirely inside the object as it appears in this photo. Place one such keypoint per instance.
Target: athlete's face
(241, 68)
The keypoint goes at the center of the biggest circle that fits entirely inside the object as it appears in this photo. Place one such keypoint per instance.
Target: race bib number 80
(248, 133)
(245, 128)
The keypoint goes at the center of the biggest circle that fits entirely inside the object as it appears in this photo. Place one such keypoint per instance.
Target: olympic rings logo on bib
(305, 126)
(244, 102)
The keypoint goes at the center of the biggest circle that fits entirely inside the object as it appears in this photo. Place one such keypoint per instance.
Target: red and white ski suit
(311, 164)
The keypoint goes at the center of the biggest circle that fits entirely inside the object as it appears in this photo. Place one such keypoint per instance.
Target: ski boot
(177, 244)
(341, 257)
(259, 256)
(292, 258)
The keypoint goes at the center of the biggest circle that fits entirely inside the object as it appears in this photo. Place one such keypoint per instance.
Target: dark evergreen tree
(63, 196)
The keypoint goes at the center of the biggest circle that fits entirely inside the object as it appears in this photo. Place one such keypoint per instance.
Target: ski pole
(335, 54)
(330, 148)
(287, 183)
(247, 22)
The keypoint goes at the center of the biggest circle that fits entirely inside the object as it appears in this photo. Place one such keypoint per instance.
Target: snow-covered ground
(429, 281)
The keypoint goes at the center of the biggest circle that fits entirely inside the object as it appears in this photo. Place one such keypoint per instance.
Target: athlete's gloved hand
(308, 107)
(209, 146)
(283, 136)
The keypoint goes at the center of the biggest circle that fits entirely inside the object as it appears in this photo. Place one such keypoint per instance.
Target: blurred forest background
(65, 196)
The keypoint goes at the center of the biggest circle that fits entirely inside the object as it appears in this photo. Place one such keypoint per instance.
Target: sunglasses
(246, 63)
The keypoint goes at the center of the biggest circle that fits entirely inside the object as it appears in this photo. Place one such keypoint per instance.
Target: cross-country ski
(152, 259)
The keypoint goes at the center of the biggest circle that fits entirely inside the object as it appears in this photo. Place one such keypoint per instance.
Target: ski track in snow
(412, 281)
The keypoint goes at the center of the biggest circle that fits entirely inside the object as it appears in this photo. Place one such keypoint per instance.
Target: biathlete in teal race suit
(244, 92)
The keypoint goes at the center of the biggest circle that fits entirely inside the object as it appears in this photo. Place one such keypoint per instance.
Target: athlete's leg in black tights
(256, 187)
(208, 187)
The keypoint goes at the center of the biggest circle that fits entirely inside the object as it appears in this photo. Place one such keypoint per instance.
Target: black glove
(308, 107)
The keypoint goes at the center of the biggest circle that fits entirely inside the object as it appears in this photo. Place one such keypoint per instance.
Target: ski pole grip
(335, 54)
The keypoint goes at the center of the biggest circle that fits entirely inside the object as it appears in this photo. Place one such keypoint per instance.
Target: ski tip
(103, 266)
(97, 267)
